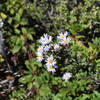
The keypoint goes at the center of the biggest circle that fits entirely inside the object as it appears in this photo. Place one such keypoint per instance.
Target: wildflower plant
(50, 50)
(63, 71)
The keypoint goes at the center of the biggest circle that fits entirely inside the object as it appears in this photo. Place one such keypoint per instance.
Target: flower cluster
(46, 52)
(63, 39)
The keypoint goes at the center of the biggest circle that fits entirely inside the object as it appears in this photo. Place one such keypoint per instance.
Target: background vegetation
(25, 21)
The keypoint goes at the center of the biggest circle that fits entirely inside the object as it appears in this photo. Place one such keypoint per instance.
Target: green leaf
(23, 21)
(98, 61)
(24, 30)
(30, 85)
(20, 12)
(26, 79)
(12, 11)
(44, 90)
(63, 91)
(18, 41)
(3, 15)
(80, 36)
(17, 31)
(13, 39)
(16, 49)
(76, 27)
(10, 20)
(17, 17)
(29, 36)
(97, 94)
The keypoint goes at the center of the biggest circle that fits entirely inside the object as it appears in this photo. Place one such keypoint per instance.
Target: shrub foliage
(27, 20)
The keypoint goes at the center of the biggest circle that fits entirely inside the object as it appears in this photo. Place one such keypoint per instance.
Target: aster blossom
(66, 76)
(65, 41)
(39, 56)
(45, 39)
(51, 69)
(50, 61)
(56, 47)
(40, 49)
(62, 35)
(47, 48)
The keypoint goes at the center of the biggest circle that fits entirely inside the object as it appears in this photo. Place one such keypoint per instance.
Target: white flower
(65, 41)
(62, 35)
(51, 68)
(47, 48)
(40, 49)
(56, 47)
(1, 23)
(39, 56)
(66, 76)
(50, 61)
(46, 39)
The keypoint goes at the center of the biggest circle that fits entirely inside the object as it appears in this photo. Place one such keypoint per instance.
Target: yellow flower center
(62, 35)
(40, 56)
(66, 76)
(46, 41)
(40, 49)
(65, 41)
(50, 60)
(56, 46)
(51, 67)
